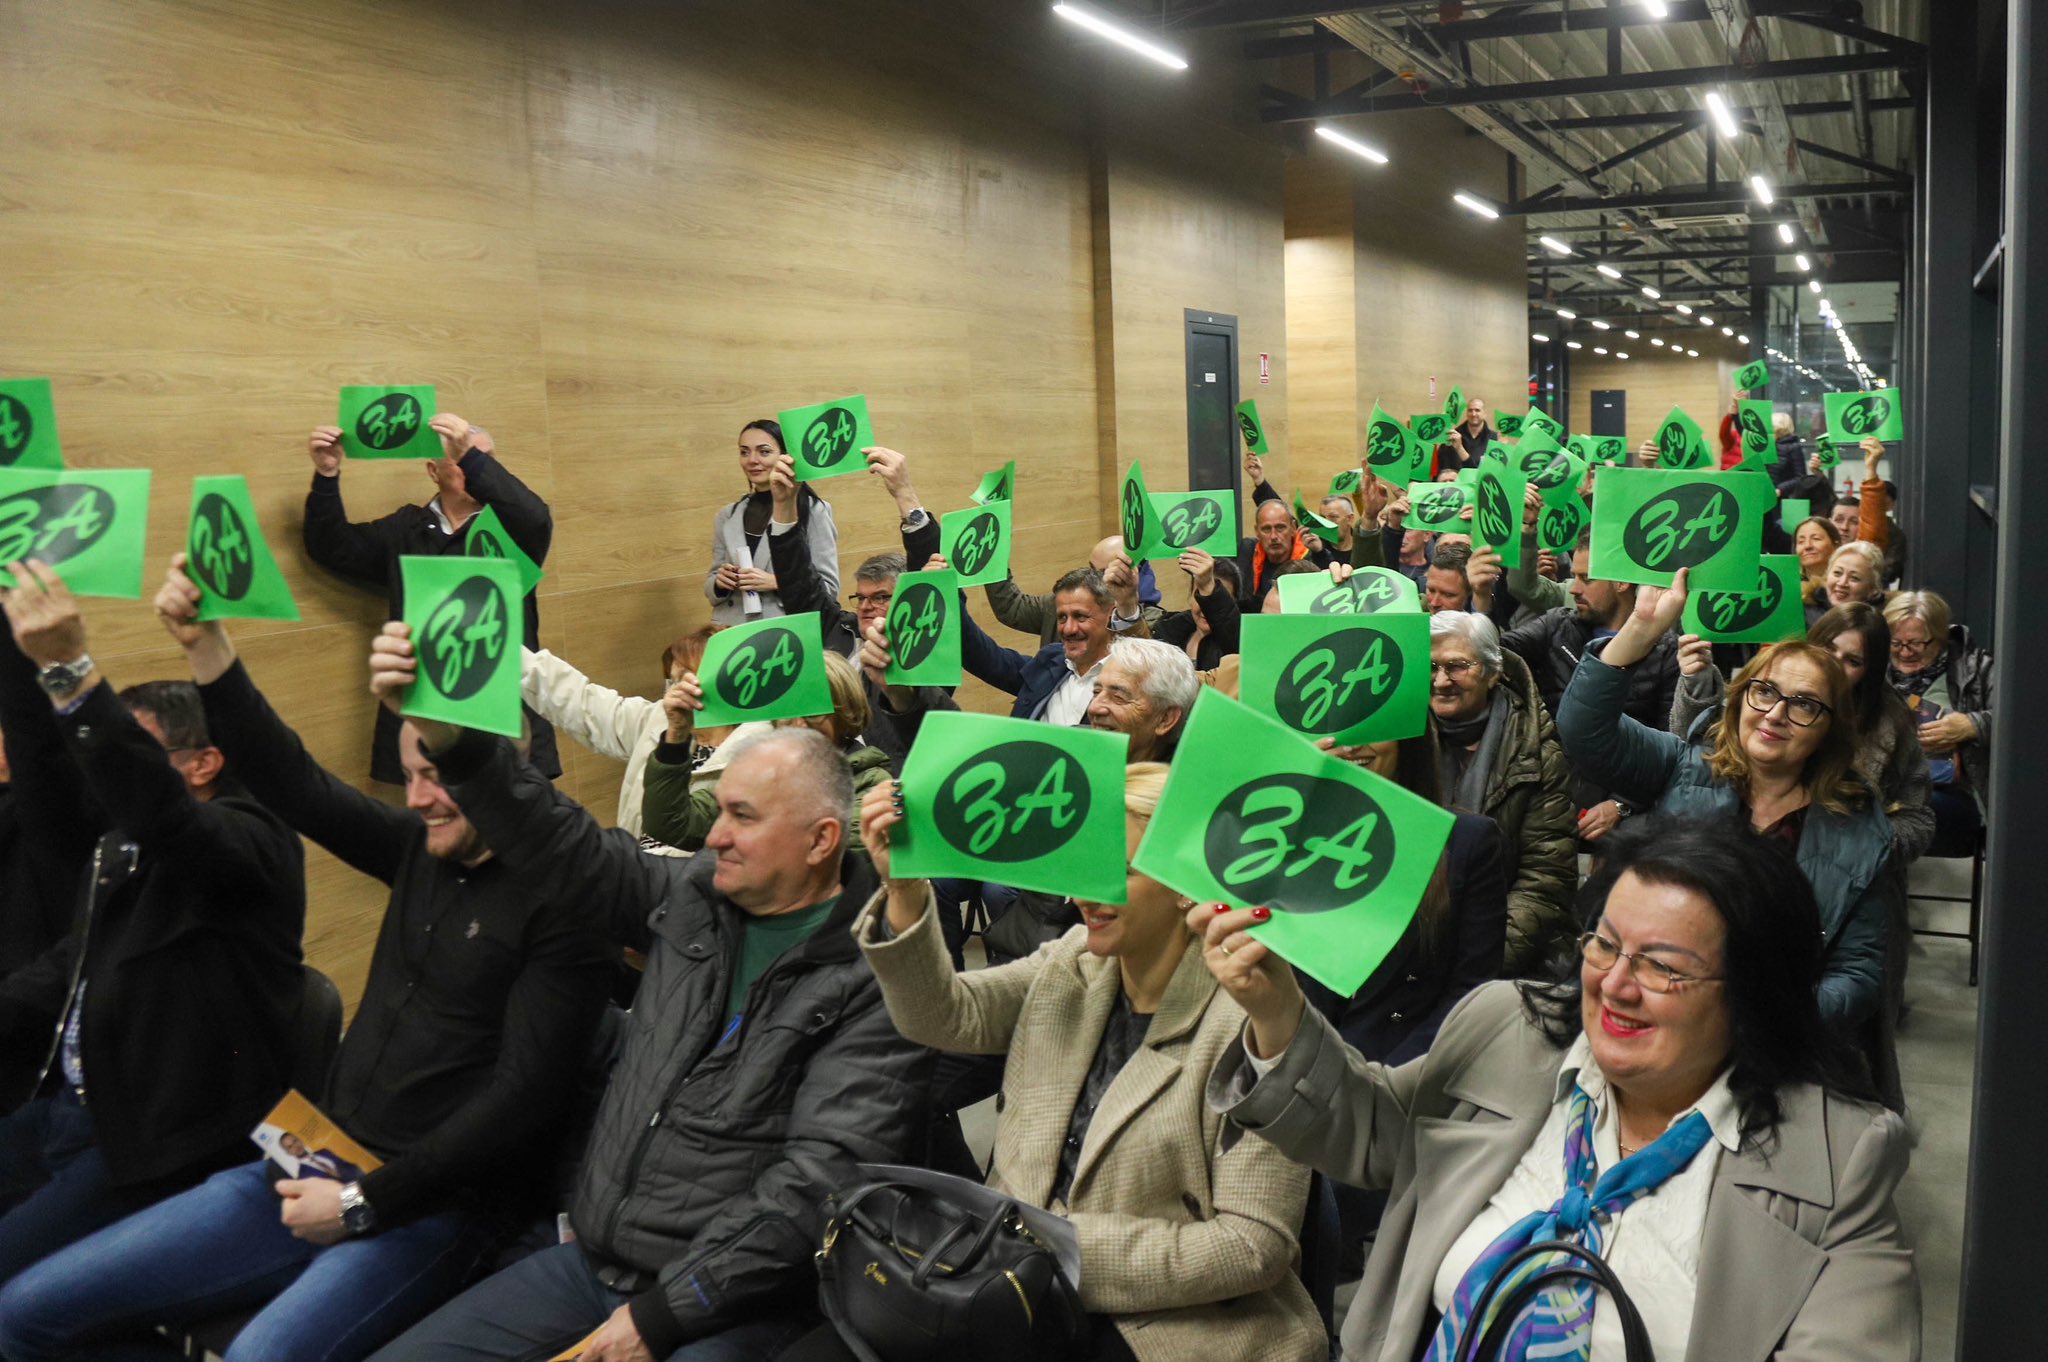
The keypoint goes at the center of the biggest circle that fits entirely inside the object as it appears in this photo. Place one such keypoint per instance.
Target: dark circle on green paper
(1561, 526)
(1555, 471)
(1430, 428)
(910, 644)
(1338, 681)
(484, 544)
(975, 546)
(1509, 425)
(1307, 845)
(17, 428)
(830, 438)
(1385, 444)
(761, 670)
(1493, 520)
(1830, 454)
(1752, 422)
(219, 551)
(1674, 445)
(54, 523)
(1366, 592)
(1733, 612)
(1250, 429)
(1441, 504)
(1182, 526)
(1866, 414)
(1016, 801)
(1610, 449)
(388, 422)
(1454, 406)
(1134, 518)
(1683, 527)
(466, 638)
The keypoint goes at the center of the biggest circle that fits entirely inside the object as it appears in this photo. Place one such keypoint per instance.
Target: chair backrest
(319, 1033)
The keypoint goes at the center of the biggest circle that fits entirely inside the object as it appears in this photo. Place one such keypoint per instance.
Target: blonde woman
(1855, 573)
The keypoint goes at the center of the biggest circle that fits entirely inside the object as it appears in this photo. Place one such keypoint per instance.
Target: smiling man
(1057, 683)
(1144, 691)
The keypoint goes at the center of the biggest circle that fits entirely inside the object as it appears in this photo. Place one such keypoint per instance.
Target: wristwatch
(59, 679)
(356, 1216)
(916, 520)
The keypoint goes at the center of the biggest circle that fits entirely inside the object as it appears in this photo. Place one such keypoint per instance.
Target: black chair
(1975, 900)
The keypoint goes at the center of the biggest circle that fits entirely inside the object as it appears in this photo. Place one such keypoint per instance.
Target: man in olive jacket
(759, 1068)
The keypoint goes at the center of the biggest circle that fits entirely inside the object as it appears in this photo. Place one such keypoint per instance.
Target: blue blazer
(1032, 678)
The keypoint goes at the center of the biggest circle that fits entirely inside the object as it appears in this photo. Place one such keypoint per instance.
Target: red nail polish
(1261, 914)
(1222, 908)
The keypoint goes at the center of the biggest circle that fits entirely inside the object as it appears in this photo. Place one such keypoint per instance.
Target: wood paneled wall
(611, 232)
(1656, 381)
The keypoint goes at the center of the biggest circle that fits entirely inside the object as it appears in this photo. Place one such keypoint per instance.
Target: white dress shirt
(1068, 703)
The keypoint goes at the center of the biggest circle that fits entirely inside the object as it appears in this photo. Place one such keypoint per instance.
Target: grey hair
(1088, 580)
(1477, 630)
(1163, 672)
(880, 567)
(821, 778)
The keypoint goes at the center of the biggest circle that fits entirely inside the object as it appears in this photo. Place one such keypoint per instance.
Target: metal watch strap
(62, 678)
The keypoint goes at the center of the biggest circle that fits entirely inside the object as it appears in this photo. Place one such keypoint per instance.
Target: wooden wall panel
(612, 233)
(1656, 381)
(1322, 319)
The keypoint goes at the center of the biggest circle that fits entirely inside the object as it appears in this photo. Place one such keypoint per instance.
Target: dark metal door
(1610, 411)
(1213, 441)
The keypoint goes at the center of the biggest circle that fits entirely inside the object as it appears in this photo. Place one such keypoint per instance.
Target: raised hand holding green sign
(1135, 514)
(1759, 444)
(1609, 449)
(1753, 377)
(770, 669)
(1251, 427)
(1392, 451)
(1681, 444)
(1830, 455)
(1030, 805)
(1355, 679)
(388, 422)
(1430, 427)
(1560, 523)
(1648, 523)
(1191, 520)
(1345, 483)
(825, 440)
(1508, 424)
(1538, 419)
(1254, 815)
(924, 630)
(1856, 417)
(976, 542)
(1435, 506)
(487, 537)
(464, 615)
(227, 558)
(1000, 485)
(1367, 591)
(1310, 522)
(28, 424)
(1454, 406)
(1497, 512)
(91, 527)
(1769, 612)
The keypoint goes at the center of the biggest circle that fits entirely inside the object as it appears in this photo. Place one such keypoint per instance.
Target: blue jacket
(1842, 855)
(1031, 678)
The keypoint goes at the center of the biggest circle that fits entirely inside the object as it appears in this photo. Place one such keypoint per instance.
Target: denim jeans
(53, 1182)
(541, 1304)
(221, 1247)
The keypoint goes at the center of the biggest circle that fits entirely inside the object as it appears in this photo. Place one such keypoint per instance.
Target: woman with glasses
(1945, 681)
(1781, 757)
(741, 584)
(1497, 755)
(1676, 1106)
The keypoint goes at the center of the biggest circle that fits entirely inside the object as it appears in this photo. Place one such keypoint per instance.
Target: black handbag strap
(1581, 1264)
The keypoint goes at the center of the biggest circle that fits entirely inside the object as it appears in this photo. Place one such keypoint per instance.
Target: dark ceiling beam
(1739, 252)
(1295, 45)
(1581, 20)
(1628, 154)
(1697, 117)
(1849, 27)
(1628, 82)
(1699, 195)
(1835, 154)
(1252, 13)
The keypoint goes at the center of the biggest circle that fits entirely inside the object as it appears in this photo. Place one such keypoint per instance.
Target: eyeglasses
(1647, 970)
(1803, 710)
(1911, 645)
(871, 597)
(1455, 670)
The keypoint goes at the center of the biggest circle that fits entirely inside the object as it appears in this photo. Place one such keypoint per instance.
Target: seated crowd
(612, 1076)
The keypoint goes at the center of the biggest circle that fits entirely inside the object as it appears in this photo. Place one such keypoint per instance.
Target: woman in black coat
(1208, 630)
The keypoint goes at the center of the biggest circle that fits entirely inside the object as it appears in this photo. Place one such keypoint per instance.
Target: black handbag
(1582, 1264)
(912, 1273)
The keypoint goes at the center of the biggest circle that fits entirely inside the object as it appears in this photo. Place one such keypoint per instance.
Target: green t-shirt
(764, 940)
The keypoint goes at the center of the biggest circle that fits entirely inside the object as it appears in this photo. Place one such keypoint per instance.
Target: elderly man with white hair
(1144, 691)
(1498, 754)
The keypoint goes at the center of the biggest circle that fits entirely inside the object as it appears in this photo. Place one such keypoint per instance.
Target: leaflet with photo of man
(299, 1138)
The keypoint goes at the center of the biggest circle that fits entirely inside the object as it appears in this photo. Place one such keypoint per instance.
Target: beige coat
(1801, 1257)
(1193, 1252)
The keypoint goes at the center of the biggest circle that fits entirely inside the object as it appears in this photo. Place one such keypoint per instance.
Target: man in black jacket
(760, 1067)
(36, 892)
(468, 478)
(171, 998)
(475, 1024)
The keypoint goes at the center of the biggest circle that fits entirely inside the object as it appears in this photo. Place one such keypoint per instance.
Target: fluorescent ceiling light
(1633, 335)
(1599, 325)
(1706, 320)
(1573, 345)
(1717, 109)
(1567, 314)
(1120, 35)
(1743, 339)
(1608, 270)
(1551, 243)
(1621, 354)
(1599, 349)
(1803, 263)
(1813, 284)
(1727, 330)
(1683, 308)
(1762, 187)
(1657, 9)
(1479, 206)
(1785, 232)
(1655, 341)
(1540, 337)
(1649, 292)
(1694, 353)
(1352, 145)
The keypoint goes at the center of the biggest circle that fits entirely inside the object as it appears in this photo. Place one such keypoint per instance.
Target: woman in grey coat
(741, 583)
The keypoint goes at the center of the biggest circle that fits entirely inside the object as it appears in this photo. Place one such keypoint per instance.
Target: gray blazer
(729, 545)
(1802, 1256)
